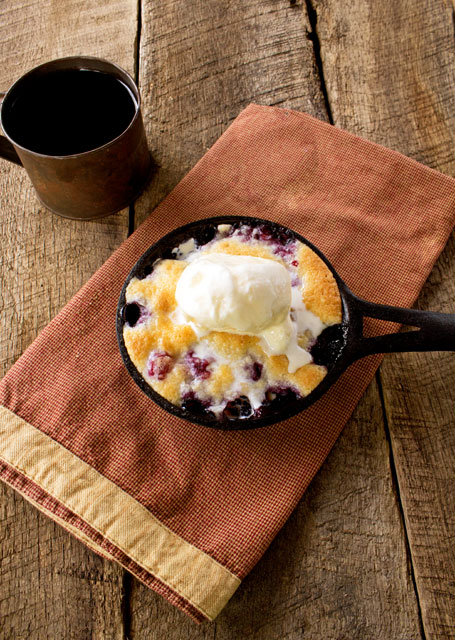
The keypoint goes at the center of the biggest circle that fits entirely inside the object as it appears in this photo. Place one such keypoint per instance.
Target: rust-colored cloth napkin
(187, 509)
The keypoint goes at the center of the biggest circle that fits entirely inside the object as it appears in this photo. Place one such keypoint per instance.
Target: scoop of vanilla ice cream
(237, 294)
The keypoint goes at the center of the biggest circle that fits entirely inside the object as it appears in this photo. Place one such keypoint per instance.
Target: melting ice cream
(246, 295)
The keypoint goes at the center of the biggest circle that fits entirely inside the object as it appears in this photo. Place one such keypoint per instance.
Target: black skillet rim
(162, 249)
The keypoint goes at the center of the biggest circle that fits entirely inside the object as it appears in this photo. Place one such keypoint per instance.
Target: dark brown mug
(75, 125)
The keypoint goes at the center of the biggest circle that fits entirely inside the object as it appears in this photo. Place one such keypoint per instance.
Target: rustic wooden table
(368, 554)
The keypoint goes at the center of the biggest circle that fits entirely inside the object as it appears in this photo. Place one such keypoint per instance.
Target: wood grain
(419, 392)
(390, 72)
(51, 585)
(339, 568)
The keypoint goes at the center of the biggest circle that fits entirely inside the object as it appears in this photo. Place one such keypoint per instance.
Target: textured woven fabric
(381, 219)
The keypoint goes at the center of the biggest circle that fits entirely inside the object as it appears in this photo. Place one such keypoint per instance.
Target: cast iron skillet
(337, 347)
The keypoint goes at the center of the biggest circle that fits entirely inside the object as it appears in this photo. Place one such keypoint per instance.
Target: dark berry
(159, 365)
(134, 313)
(192, 404)
(238, 408)
(284, 251)
(198, 366)
(204, 235)
(295, 263)
(329, 345)
(265, 232)
(254, 370)
(285, 236)
(277, 399)
(278, 396)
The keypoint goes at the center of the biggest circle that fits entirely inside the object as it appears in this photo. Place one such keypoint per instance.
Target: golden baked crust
(231, 345)
(320, 290)
(237, 248)
(139, 342)
(221, 379)
(159, 290)
(169, 388)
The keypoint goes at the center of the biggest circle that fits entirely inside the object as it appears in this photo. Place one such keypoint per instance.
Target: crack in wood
(313, 36)
(137, 42)
(131, 223)
(397, 493)
(125, 604)
(137, 53)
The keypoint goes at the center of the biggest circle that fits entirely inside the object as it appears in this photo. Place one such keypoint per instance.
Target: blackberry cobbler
(224, 327)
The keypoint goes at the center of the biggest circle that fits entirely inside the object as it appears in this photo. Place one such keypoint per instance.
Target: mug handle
(7, 151)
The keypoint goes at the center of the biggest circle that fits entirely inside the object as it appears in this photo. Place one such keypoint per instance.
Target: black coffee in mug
(75, 125)
(68, 111)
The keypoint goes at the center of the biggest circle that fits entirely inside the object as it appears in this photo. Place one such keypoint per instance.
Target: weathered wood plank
(390, 71)
(45, 258)
(419, 394)
(201, 63)
(339, 567)
(50, 584)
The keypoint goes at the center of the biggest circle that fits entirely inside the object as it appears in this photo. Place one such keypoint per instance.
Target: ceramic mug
(75, 125)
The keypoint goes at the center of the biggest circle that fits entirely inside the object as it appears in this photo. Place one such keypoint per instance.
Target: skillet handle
(436, 331)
